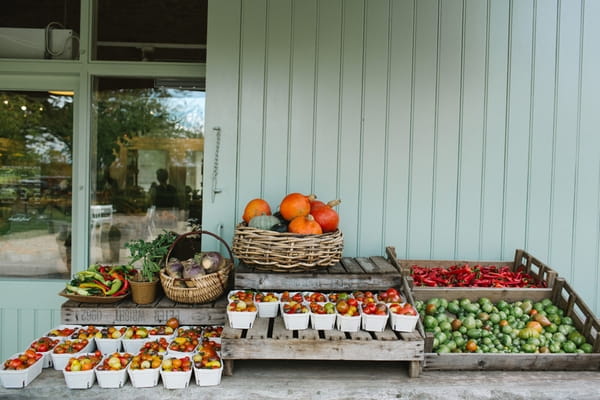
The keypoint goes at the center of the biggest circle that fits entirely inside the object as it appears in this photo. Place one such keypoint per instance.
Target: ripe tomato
(173, 323)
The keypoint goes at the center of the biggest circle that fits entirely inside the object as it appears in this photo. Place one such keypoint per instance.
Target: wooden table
(268, 338)
(126, 312)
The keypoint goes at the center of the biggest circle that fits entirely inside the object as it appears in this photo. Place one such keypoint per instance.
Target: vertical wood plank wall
(449, 129)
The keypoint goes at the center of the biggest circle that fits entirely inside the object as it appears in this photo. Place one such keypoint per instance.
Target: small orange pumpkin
(325, 215)
(295, 205)
(255, 208)
(305, 225)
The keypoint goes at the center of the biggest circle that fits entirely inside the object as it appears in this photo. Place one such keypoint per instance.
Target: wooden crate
(127, 312)
(531, 265)
(562, 295)
(365, 273)
(268, 339)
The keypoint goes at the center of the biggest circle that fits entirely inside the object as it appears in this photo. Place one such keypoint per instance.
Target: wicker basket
(203, 289)
(286, 252)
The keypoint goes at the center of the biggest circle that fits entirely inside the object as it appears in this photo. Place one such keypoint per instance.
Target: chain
(216, 189)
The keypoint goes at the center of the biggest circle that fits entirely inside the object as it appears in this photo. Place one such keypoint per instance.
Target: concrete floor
(336, 380)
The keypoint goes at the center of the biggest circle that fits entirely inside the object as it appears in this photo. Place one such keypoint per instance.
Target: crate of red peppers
(429, 278)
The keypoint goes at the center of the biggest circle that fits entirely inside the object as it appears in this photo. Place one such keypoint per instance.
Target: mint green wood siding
(449, 129)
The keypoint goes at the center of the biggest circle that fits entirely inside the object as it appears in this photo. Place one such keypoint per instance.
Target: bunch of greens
(151, 254)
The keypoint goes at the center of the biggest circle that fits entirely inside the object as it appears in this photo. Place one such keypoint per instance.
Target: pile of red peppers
(474, 276)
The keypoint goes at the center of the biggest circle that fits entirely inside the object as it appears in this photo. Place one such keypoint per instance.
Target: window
(147, 171)
(36, 145)
(40, 29)
(151, 30)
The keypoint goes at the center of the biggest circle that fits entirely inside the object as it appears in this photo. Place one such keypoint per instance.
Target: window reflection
(36, 140)
(148, 167)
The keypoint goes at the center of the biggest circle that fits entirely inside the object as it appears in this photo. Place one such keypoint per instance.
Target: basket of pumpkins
(302, 235)
(192, 276)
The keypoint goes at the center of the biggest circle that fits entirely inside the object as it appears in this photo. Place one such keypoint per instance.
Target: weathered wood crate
(523, 259)
(562, 295)
(126, 312)
(268, 339)
(365, 273)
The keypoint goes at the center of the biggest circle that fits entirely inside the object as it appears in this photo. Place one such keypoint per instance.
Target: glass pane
(36, 142)
(147, 170)
(40, 29)
(151, 30)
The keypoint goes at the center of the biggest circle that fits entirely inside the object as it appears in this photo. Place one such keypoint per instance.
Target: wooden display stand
(268, 338)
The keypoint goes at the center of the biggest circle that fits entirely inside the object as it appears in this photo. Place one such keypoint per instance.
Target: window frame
(77, 75)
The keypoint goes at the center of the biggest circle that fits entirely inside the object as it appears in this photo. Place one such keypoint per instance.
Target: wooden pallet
(365, 273)
(126, 312)
(268, 339)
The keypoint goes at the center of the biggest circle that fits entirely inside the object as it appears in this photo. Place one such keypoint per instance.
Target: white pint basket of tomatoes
(403, 317)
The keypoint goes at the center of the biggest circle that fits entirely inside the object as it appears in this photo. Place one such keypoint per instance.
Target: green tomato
(494, 318)
(554, 347)
(551, 309)
(539, 306)
(529, 348)
(441, 337)
(507, 329)
(552, 328)
(443, 349)
(454, 307)
(445, 326)
(546, 302)
(487, 307)
(517, 312)
(568, 346)
(576, 338)
(474, 333)
(469, 322)
(526, 306)
(567, 321)
(559, 337)
(430, 322)
(502, 305)
(565, 329)
(587, 348)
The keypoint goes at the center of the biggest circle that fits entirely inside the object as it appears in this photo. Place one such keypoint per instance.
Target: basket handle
(201, 232)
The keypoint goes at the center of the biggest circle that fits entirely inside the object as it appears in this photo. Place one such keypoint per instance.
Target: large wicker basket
(286, 252)
(203, 289)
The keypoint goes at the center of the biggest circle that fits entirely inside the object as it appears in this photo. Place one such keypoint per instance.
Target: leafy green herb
(151, 253)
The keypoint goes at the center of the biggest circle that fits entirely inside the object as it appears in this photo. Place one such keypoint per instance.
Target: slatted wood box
(522, 259)
(561, 294)
(268, 338)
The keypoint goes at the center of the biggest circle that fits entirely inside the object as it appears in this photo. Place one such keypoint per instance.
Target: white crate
(111, 379)
(108, 346)
(79, 379)
(142, 378)
(268, 309)
(296, 321)
(208, 376)
(374, 322)
(403, 323)
(175, 379)
(241, 319)
(348, 324)
(21, 377)
(133, 346)
(60, 361)
(47, 359)
(324, 322)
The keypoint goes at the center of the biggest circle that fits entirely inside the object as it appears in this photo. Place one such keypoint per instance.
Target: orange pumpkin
(305, 225)
(325, 215)
(255, 208)
(295, 205)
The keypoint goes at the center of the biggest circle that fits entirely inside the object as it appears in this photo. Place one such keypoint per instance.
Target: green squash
(263, 222)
